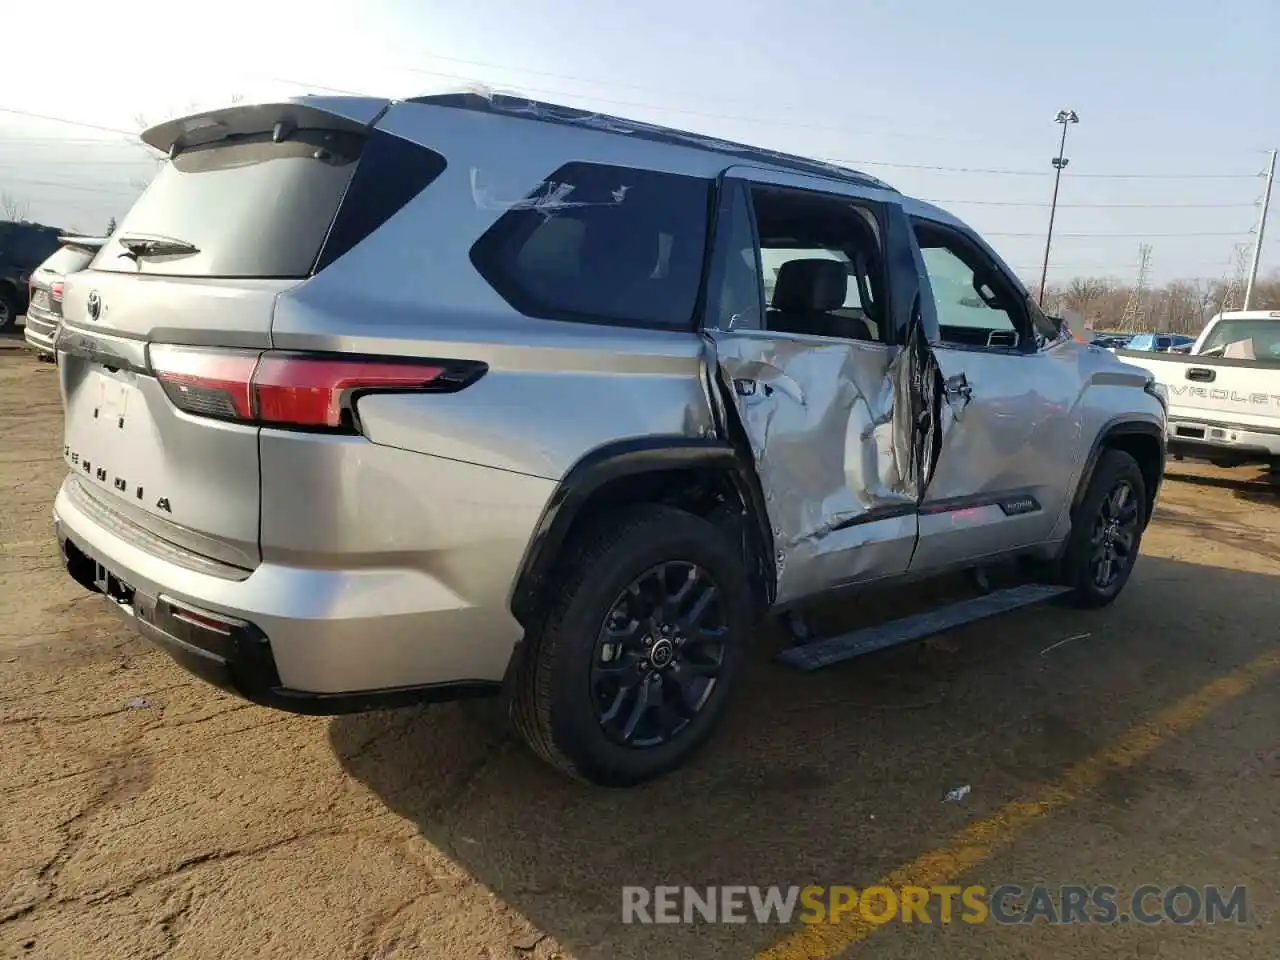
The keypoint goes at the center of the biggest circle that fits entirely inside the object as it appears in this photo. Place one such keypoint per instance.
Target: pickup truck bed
(1223, 410)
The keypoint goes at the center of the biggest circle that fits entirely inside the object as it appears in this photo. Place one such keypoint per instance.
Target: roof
(540, 111)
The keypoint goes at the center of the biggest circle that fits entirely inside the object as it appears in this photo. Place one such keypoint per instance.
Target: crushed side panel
(829, 452)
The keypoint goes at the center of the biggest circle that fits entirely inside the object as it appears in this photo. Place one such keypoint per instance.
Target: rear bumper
(1199, 438)
(40, 332)
(301, 640)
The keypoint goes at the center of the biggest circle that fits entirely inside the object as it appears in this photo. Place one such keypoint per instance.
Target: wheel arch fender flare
(1119, 433)
(621, 460)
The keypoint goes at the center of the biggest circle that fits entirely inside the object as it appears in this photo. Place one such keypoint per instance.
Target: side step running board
(857, 643)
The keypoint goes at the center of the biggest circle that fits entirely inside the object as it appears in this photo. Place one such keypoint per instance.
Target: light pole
(1064, 117)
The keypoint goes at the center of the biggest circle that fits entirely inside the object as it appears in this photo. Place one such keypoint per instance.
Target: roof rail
(522, 107)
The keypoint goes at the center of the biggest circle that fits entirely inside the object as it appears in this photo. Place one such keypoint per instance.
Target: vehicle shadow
(1257, 485)
(834, 777)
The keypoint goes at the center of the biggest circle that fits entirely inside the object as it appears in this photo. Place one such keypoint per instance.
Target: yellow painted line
(977, 842)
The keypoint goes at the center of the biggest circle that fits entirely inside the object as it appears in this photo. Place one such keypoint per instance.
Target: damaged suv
(366, 406)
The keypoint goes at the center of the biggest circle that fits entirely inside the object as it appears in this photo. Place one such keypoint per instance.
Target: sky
(1179, 101)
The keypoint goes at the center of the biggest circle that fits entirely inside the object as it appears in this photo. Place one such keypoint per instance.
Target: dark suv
(44, 311)
(23, 247)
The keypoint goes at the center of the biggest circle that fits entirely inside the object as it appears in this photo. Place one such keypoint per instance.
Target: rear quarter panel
(554, 390)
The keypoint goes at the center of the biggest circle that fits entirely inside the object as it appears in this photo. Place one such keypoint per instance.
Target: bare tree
(1180, 306)
(11, 208)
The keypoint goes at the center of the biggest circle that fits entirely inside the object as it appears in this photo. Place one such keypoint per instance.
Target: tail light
(297, 390)
(55, 290)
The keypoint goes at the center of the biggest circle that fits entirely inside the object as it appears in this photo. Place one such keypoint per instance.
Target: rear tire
(1106, 531)
(603, 636)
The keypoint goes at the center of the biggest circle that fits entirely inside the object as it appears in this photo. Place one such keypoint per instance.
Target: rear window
(254, 208)
(602, 244)
(1249, 339)
(67, 260)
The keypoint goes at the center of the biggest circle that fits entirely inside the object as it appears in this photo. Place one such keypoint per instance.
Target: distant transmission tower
(1132, 316)
(1234, 296)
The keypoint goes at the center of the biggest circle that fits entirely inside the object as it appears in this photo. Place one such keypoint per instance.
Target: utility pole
(1064, 117)
(1262, 224)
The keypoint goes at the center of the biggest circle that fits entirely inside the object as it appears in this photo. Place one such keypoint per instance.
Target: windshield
(1247, 339)
(248, 207)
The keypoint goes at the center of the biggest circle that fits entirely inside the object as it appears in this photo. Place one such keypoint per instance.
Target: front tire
(1106, 531)
(632, 667)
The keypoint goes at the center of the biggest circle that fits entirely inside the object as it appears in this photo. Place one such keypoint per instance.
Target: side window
(975, 304)
(734, 288)
(602, 244)
(822, 264)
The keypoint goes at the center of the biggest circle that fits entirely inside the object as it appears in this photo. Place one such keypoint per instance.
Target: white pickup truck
(1224, 395)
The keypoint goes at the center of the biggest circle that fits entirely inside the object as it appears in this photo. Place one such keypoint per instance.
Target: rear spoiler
(88, 243)
(352, 114)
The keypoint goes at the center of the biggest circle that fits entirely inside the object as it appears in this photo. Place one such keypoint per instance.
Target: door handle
(780, 383)
(957, 388)
(1201, 374)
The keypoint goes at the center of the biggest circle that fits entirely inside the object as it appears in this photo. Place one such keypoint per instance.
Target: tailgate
(1216, 390)
(190, 480)
(164, 330)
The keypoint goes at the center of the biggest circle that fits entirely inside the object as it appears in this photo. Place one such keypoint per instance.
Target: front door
(809, 297)
(1008, 412)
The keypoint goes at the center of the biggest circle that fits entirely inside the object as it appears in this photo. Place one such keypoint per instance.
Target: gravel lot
(146, 815)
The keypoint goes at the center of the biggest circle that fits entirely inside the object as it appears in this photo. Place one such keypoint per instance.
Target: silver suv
(374, 402)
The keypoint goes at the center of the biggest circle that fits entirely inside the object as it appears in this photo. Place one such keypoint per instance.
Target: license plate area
(112, 403)
(109, 439)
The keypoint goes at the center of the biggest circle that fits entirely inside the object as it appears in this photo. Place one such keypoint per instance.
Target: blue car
(1158, 342)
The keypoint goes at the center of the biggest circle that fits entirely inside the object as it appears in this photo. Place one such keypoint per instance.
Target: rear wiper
(153, 245)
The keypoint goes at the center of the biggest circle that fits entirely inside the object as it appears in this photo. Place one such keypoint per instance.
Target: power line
(573, 79)
(142, 163)
(1100, 206)
(1103, 236)
(760, 120)
(1041, 173)
(74, 123)
(647, 89)
(81, 187)
(66, 141)
(992, 171)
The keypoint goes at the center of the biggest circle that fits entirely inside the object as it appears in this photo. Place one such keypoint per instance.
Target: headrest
(816, 284)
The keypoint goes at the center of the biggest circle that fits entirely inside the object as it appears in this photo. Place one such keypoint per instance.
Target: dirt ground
(145, 814)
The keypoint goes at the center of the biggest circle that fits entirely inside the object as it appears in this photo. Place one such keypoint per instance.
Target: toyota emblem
(95, 305)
